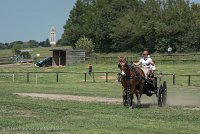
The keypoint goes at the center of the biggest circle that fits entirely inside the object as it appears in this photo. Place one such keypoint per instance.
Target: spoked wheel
(159, 96)
(162, 94)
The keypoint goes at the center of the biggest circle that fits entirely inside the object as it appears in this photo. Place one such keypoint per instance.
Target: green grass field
(43, 51)
(24, 115)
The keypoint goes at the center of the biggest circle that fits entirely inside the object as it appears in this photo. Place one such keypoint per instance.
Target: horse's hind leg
(138, 99)
(139, 94)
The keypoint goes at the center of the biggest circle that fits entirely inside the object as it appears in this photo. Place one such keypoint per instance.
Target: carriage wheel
(129, 97)
(159, 95)
(164, 93)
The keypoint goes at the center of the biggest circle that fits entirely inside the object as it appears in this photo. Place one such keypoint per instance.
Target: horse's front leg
(124, 96)
(130, 97)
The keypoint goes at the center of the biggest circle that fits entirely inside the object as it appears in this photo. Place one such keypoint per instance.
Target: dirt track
(72, 97)
(172, 100)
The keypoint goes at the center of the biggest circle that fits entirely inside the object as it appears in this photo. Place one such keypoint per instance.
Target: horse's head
(123, 66)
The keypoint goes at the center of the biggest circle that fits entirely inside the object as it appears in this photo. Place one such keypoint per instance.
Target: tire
(159, 96)
(164, 93)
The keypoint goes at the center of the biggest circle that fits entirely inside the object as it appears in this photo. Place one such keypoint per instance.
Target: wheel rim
(164, 93)
(160, 96)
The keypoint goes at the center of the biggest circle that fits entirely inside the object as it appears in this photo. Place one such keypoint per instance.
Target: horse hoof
(139, 106)
(131, 108)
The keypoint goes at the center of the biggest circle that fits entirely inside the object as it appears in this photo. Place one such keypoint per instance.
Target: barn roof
(58, 49)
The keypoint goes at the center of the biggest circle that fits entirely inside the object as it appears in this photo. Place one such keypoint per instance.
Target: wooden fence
(184, 75)
(85, 76)
(5, 60)
(161, 61)
(162, 58)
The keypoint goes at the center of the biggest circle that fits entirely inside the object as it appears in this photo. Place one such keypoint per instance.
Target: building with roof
(63, 57)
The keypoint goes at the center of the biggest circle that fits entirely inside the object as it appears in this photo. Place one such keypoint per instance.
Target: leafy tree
(15, 42)
(73, 30)
(45, 43)
(33, 43)
(135, 25)
(3, 46)
(85, 44)
(16, 47)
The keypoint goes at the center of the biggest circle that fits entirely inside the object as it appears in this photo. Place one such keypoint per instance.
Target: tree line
(135, 25)
(18, 45)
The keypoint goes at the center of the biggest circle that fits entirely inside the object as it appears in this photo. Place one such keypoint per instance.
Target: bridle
(125, 68)
(124, 75)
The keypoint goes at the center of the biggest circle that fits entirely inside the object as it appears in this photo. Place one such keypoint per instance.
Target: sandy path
(171, 100)
(72, 97)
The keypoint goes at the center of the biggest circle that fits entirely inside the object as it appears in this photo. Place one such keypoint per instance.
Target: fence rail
(163, 58)
(5, 60)
(86, 77)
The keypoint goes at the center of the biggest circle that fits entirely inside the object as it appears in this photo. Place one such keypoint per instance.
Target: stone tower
(53, 36)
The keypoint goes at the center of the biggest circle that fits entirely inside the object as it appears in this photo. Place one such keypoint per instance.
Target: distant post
(56, 76)
(85, 77)
(189, 77)
(106, 76)
(27, 77)
(173, 79)
(13, 77)
(93, 77)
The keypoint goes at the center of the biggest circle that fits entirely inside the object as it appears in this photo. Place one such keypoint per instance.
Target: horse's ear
(119, 57)
(125, 57)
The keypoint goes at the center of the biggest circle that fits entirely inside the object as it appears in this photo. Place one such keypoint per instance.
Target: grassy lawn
(28, 115)
(43, 51)
(90, 117)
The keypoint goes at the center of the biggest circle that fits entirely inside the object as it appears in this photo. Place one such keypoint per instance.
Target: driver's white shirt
(145, 62)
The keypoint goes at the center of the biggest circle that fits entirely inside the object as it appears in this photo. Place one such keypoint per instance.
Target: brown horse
(132, 80)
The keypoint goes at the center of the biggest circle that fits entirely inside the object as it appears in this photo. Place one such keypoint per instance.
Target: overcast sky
(23, 20)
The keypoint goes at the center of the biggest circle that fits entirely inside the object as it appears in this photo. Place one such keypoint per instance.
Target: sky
(24, 20)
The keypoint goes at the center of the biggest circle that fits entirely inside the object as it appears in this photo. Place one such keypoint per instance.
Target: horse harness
(127, 78)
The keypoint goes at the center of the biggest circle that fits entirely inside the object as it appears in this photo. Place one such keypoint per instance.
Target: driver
(146, 62)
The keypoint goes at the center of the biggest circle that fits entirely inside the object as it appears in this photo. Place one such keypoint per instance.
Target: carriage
(151, 86)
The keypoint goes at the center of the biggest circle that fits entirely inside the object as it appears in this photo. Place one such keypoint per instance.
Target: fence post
(27, 77)
(13, 77)
(93, 77)
(188, 80)
(36, 79)
(56, 76)
(85, 76)
(173, 79)
(106, 76)
(96, 60)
